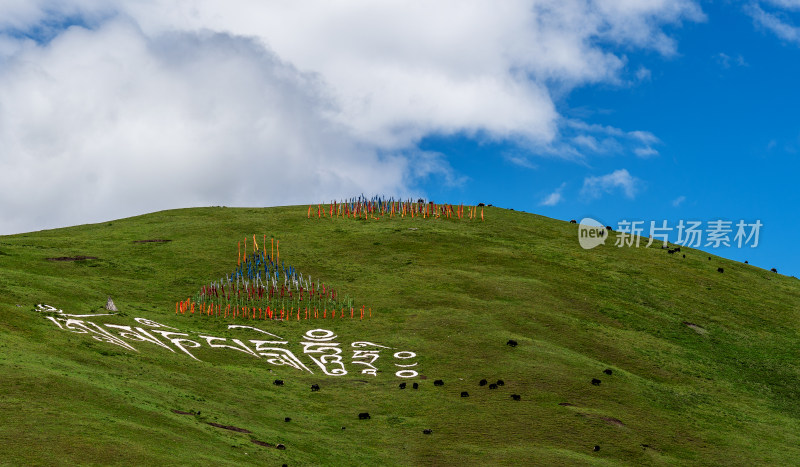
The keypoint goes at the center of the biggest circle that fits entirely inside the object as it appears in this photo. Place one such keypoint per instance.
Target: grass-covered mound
(704, 365)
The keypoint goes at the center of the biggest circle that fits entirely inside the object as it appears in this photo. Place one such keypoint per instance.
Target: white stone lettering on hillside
(320, 346)
(152, 324)
(240, 346)
(367, 357)
(180, 342)
(325, 353)
(279, 355)
(50, 309)
(138, 335)
(97, 332)
(405, 355)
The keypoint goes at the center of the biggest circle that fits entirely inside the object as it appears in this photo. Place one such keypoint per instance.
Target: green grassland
(724, 391)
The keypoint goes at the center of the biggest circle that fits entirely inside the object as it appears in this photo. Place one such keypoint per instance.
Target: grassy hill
(704, 364)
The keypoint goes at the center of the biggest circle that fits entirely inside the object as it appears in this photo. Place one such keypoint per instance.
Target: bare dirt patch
(612, 421)
(230, 427)
(698, 329)
(72, 258)
(154, 240)
(181, 412)
(609, 420)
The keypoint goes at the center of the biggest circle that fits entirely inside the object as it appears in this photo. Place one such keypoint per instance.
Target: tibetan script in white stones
(367, 357)
(319, 348)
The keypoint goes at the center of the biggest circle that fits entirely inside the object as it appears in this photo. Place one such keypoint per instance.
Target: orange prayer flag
(481, 214)
(309, 212)
(239, 261)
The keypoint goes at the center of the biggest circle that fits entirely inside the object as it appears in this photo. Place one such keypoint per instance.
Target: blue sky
(638, 110)
(725, 111)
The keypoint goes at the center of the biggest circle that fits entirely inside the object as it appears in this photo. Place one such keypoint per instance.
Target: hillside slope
(704, 364)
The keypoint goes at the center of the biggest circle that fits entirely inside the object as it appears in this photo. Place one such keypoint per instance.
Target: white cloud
(555, 197)
(775, 22)
(162, 104)
(788, 4)
(520, 160)
(601, 139)
(643, 74)
(726, 61)
(102, 124)
(678, 201)
(645, 152)
(595, 187)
